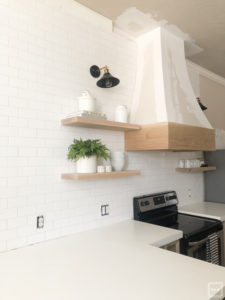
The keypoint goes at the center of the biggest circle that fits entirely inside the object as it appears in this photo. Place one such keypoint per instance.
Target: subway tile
(45, 58)
(17, 222)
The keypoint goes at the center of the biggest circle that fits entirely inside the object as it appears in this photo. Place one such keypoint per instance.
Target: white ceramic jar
(86, 102)
(87, 164)
(100, 169)
(118, 160)
(181, 163)
(121, 114)
(108, 168)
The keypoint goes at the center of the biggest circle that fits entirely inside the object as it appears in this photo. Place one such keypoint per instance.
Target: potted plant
(85, 153)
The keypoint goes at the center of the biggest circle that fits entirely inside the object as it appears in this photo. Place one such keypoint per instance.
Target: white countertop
(132, 232)
(205, 209)
(88, 266)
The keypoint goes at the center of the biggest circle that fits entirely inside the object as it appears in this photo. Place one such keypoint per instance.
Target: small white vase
(87, 164)
(121, 114)
(118, 160)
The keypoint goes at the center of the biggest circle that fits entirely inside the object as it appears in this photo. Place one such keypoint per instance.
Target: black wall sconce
(203, 107)
(107, 80)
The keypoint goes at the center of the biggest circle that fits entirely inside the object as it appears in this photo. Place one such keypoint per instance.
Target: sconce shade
(107, 81)
(203, 107)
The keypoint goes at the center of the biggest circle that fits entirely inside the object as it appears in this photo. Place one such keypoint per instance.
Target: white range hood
(163, 90)
(164, 101)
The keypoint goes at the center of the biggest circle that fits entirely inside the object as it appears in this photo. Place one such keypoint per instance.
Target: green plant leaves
(87, 148)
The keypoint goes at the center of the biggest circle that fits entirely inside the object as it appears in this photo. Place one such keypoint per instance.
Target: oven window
(201, 252)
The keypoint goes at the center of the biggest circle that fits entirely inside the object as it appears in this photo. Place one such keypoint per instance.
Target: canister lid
(85, 95)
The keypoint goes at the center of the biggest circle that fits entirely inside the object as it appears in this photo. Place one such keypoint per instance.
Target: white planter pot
(87, 165)
(118, 160)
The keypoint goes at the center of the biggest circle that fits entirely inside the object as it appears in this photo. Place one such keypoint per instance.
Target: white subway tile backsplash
(17, 222)
(3, 225)
(17, 122)
(4, 121)
(8, 111)
(16, 202)
(45, 56)
(14, 182)
(4, 100)
(3, 203)
(8, 234)
(27, 132)
(26, 211)
(8, 151)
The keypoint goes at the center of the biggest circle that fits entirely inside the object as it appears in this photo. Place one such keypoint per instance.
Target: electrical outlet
(105, 210)
(189, 193)
(40, 222)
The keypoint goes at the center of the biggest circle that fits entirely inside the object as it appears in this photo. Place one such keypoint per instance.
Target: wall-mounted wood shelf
(81, 176)
(99, 124)
(195, 170)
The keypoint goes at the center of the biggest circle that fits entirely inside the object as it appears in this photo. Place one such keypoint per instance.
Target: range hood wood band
(170, 136)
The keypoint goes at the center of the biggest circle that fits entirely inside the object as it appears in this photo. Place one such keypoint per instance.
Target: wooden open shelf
(100, 124)
(80, 176)
(195, 170)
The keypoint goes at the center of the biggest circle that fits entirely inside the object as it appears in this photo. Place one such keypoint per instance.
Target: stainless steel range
(202, 237)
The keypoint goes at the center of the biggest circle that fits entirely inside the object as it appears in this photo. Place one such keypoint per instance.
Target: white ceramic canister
(108, 168)
(87, 164)
(121, 114)
(100, 169)
(118, 160)
(181, 163)
(188, 163)
(86, 102)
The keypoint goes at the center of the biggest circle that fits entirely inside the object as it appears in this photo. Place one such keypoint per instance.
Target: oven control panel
(154, 201)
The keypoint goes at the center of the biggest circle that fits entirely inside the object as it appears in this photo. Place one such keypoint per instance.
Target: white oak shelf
(81, 176)
(195, 170)
(99, 124)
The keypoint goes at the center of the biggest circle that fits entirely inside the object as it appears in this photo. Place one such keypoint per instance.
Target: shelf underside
(195, 170)
(80, 176)
(99, 124)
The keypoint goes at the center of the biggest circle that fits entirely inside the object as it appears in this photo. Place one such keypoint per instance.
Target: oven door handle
(191, 244)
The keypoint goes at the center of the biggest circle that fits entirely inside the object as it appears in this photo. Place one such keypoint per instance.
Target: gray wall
(215, 180)
(212, 95)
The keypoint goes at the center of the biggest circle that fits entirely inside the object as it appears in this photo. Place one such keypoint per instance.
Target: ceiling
(202, 20)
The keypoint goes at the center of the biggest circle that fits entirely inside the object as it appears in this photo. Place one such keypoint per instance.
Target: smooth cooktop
(190, 225)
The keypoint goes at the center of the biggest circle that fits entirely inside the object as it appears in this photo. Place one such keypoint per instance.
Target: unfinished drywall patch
(136, 23)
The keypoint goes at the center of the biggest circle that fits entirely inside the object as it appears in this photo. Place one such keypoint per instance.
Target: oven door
(209, 249)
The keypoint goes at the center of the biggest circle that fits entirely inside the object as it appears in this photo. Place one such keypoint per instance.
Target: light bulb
(108, 83)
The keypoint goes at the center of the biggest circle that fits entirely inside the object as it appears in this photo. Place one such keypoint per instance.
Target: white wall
(211, 89)
(45, 55)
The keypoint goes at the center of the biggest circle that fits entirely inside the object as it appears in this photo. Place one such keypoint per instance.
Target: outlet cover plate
(105, 210)
(40, 222)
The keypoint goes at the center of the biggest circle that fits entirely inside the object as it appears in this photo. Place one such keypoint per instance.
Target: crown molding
(206, 73)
